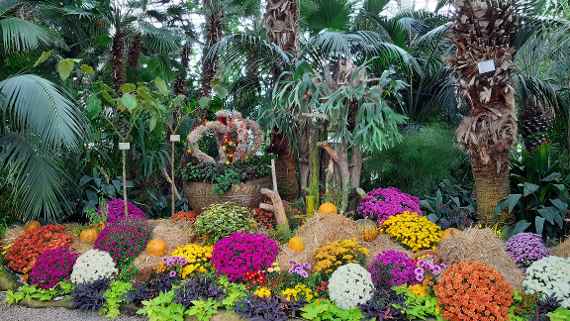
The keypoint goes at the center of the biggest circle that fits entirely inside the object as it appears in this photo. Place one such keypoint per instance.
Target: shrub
(198, 288)
(158, 283)
(220, 220)
(90, 296)
(116, 211)
(124, 239)
(526, 248)
(549, 276)
(261, 309)
(332, 255)
(240, 253)
(92, 266)
(399, 266)
(382, 203)
(53, 266)
(471, 290)
(381, 306)
(350, 285)
(197, 258)
(415, 231)
(25, 250)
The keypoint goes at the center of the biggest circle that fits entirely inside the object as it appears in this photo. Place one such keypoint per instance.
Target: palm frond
(317, 15)
(162, 40)
(38, 106)
(21, 35)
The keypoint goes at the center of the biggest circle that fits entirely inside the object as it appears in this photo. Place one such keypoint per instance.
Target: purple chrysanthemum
(525, 248)
(123, 239)
(401, 267)
(240, 252)
(116, 211)
(53, 266)
(382, 203)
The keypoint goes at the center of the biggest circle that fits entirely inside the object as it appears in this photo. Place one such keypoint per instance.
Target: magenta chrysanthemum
(401, 267)
(53, 266)
(123, 239)
(382, 203)
(525, 248)
(116, 211)
(241, 252)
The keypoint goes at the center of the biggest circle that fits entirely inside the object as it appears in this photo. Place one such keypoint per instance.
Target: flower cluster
(53, 266)
(427, 270)
(239, 253)
(123, 239)
(330, 256)
(262, 292)
(116, 211)
(22, 255)
(255, 278)
(526, 248)
(399, 265)
(196, 259)
(350, 285)
(300, 292)
(92, 266)
(382, 203)
(549, 277)
(220, 220)
(264, 218)
(299, 269)
(471, 290)
(415, 231)
(184, 217)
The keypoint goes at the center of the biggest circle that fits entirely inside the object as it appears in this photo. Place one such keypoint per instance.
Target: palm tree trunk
(118, 66)
(214, 32)
(180, 87)
(490, 188)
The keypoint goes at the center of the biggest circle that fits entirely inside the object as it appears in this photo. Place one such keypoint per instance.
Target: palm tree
(39, 122)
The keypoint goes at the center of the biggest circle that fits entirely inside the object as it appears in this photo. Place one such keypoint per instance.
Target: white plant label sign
(486, 66)
(174, 138)
(124, 146)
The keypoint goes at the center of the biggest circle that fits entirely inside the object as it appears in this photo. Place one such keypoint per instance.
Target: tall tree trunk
(117, 63)
(133, 57)
(180, 87)
(282, 24)
(214, 32)
(483, 31)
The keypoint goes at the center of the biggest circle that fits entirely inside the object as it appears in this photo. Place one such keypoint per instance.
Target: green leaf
(128, 88)
(529, 188)
(204, 102)
(552, 177)
(559, 204)
(509, 202)
(86, 69)
(161, 86)
(129, 101)
(94, 106)
(220, 91)
(560, 314)
(65, 67)
(539, 224)
(520, 227)
(152, 123)
(43, 57)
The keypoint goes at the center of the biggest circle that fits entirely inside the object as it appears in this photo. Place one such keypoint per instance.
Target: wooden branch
(330, 151)
(267, 207)
(169, 180)
(278, 207)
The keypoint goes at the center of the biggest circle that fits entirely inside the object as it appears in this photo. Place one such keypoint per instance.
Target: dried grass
(12, 233)
(322, 229)
(382, 243)
(562, 249)
(484, 246)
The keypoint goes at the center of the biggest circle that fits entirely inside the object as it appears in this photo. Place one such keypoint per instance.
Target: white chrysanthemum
(549, 276)
(350, 285)
(93, 265)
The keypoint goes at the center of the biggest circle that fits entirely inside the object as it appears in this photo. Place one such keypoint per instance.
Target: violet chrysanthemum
(116, 211)
(123, 240)
(400, 267)
(382, 203)
(525, 248)
(240, 252)
(53, 266)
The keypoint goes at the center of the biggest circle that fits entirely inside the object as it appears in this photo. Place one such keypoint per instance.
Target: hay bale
(12, 233)
(484, 246)
(562, 249)
(317, 231)
(174, 234)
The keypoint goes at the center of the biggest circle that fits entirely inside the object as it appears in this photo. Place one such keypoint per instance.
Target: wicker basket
(201, 195)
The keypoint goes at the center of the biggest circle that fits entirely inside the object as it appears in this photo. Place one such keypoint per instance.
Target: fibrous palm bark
(483, 30)
(214, 32)
(282, 23)
(118, 56)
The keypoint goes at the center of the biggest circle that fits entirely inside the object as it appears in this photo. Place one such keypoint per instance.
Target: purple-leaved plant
(241, 252)
(382, 203)
(399, 265)
(116, 211)
(53, 266)
(525, 248)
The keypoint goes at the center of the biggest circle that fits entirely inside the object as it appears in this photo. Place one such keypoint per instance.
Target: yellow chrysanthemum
(262, 292)
(413, 230)
(300, 291)
(419, 289)
(198, 258)
(328, 257)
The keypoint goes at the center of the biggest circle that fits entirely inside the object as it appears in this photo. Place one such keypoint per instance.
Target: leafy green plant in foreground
(34, 293)
(163, 308)
(321, 310)
(114, 296)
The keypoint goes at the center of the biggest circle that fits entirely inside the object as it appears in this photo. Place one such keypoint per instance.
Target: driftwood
(276, 205)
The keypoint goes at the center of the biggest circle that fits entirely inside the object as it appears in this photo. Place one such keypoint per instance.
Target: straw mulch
(174, 234)
(484, 246)
(382, 243)
(322, 229)
(562, 249)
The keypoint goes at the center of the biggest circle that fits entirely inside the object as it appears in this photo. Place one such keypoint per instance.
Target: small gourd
(88, 235)
(296, 244)
(32, 225)
(370, 233)
(156, 247)
(447, 233)
(327, 208)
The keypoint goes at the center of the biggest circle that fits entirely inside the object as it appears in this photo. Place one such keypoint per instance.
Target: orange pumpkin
(370, 233)
(327, 208)
(156, 247)
(32, 225)
(447, 233)
(296, 244)
(88, 235)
